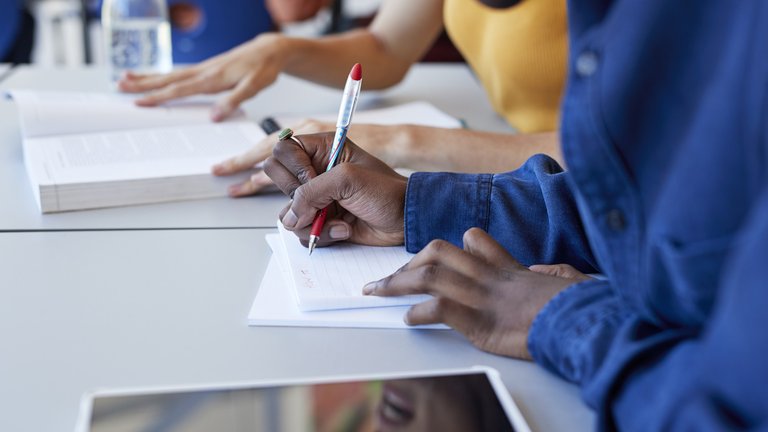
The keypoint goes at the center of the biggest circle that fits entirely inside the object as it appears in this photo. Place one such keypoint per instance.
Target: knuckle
(303, 174)
(173, 88)
(213, 74)
(269, 165)
(436, 247)
(428, 273)
(346, 170)
(283, 149)
(298, 195)
(472, 234)
(442, 305)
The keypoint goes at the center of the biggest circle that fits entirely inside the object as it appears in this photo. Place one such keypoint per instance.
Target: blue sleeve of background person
(530, 211)
(640, 377)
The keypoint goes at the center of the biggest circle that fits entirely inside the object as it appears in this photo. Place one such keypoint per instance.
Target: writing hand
(369, 195)
(481, 291)
(245, 69)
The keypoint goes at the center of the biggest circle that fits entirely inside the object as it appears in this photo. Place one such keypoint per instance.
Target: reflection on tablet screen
(443, 403)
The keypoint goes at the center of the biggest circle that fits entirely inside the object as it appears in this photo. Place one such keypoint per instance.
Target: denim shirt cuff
(573, 331)
(444, 206)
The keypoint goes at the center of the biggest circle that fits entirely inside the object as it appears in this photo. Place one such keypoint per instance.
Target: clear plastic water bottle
(137, 35)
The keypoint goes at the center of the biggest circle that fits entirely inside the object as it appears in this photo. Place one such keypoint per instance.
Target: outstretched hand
(245, 70)
(481, 291)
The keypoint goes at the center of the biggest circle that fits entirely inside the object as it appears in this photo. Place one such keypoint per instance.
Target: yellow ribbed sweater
(519, 55)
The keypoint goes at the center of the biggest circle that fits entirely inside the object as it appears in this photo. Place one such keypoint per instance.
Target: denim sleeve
(641, 377)
(530, 211)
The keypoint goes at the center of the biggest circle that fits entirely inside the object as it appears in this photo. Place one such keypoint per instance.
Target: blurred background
(66, 33)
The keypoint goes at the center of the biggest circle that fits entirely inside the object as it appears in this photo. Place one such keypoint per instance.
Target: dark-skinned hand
(366, 196)
(481, 291)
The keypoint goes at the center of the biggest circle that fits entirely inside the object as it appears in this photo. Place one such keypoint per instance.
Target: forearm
(460, 150)
(327, 60)
(398, 37)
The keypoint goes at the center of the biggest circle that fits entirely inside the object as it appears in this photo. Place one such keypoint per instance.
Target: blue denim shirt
(664, 129)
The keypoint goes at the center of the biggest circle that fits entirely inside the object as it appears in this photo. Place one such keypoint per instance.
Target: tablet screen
(465, 402)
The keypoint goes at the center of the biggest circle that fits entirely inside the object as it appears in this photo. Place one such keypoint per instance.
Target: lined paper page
(275, 306)
(333, 277)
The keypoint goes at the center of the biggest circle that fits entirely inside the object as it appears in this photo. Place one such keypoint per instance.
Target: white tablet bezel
(503, 396)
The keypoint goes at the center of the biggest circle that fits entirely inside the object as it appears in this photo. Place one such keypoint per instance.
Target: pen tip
(357, 72)
(312, 243)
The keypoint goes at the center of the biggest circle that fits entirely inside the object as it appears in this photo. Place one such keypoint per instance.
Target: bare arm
(437, 149)
(399, 36)
(401, 33)
(419, 148)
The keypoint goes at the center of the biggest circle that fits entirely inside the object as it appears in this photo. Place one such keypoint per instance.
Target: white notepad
(275, 305)
(333, 277)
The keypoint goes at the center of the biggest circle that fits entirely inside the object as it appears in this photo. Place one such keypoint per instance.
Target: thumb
(480, 244)
(247, 160)
(334, 230)
(559, 270)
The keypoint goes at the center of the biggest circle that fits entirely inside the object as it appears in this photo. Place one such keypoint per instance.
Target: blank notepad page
(333, 277)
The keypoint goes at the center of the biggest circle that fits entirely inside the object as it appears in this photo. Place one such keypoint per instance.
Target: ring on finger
(287, 133)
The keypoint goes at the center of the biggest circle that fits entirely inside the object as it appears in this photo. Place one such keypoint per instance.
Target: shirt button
(615, 220)
(586, 63)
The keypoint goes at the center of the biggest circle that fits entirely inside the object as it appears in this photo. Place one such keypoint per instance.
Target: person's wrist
(273, 48)
(398, 152)
(292, 51)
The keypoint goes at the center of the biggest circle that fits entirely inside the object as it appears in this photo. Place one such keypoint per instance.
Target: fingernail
(406, 318)
(217, 113)
(370, 287)
(290, 219)
(260, 178)
(339, 232)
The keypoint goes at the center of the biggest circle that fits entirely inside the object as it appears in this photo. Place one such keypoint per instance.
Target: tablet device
(473, 399)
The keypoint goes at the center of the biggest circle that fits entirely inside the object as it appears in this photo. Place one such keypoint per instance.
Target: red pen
(347, 108)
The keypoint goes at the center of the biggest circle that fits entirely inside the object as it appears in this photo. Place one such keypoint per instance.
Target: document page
(333, 277)
(47, 113)
(135, 154)
(415, 113)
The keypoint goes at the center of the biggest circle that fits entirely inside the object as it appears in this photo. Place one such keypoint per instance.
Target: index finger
(440, 269)
(137, 83)
(438, 253)
(178, 89)
(290, 165)
(247, 160)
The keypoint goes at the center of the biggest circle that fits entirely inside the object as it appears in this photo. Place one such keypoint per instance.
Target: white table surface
(84, 310)
(450, 87)
(5, 70)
